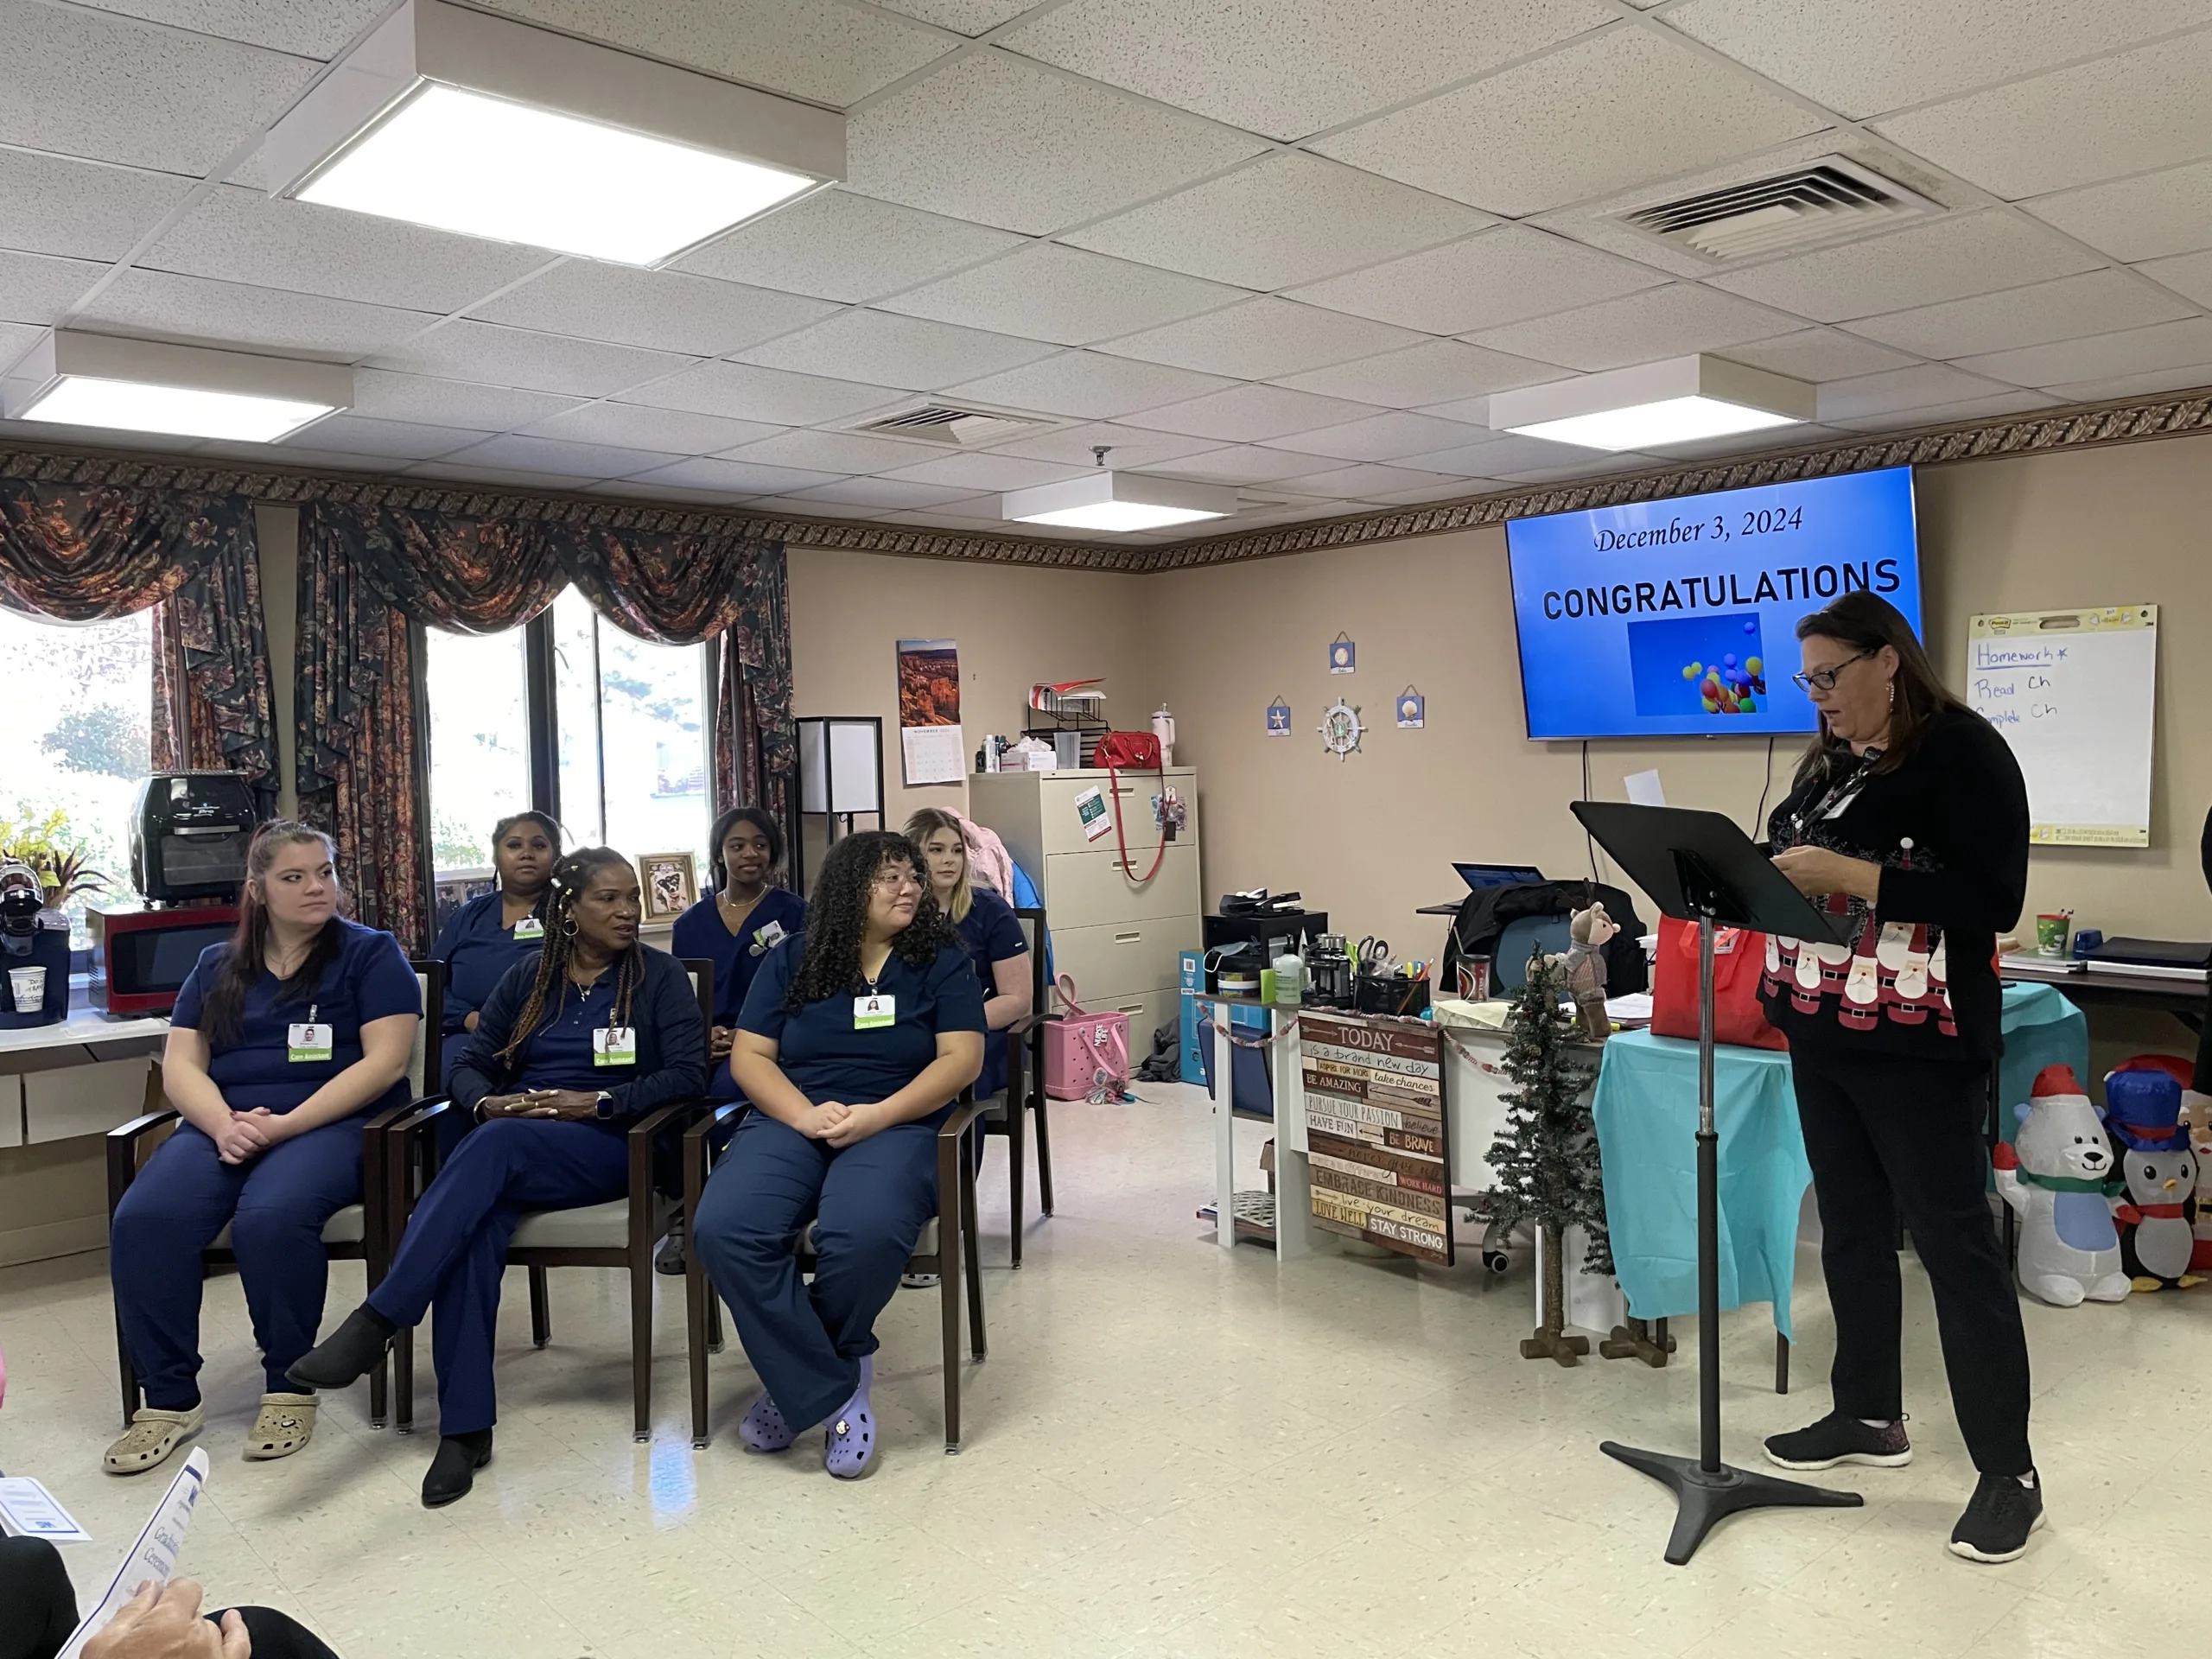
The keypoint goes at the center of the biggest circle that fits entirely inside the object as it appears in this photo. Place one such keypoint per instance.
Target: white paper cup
(29, 985)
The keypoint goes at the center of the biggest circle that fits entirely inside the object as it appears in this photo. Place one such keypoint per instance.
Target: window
(76, 741)
(626, 749)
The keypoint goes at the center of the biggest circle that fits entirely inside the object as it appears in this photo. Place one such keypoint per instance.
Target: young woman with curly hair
(597, 1032)
(855, 1041)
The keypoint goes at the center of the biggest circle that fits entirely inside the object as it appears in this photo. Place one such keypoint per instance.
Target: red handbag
(1140, 752)
(1738, 958)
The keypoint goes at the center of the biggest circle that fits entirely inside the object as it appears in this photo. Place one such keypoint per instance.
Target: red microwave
(141, 959)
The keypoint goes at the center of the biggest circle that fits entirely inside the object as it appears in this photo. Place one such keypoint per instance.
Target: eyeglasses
(1823, 679)
(897, 881)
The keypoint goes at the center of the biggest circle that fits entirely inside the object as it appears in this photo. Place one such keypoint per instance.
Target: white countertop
(84, 1025)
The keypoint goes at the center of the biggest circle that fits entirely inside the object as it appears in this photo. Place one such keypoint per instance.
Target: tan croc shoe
(286, 1424)
(152, 1438)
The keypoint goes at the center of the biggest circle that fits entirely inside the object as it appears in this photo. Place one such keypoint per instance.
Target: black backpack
(1484, 913)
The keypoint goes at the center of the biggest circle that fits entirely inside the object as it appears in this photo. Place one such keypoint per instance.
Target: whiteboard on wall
(2074, 692)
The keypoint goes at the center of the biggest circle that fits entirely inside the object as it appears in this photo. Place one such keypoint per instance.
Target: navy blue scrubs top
(700, 933)
(992, 933)
(827, 1058)
(370, 980)
(477, 952)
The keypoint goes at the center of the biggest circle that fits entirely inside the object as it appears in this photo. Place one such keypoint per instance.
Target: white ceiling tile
(633, 426)
(969, 17)
(1948, 259)
(1817, 354)
(1385, 437)
(928, 519)
(195, 309)
(297, 453)
(987, 471)
(356, 435)
(889, 494)
(741, 392)
(2096, 302)
(1292, 67)
(417, 399)
(1593, 465)
(515, 453)
(1619, 109)
(80, 82)
(491, 355)
(2189, 273)
(1369, 480)
(306, 29)
(840, 246)
(629, 489)
(83, 210)
(996, 139)
(1509, 455)
(2119, 114)
(15, 339)
(457, 473)
(1659, 322)
(1432, 373)
(1482, 459)
(1088, 384)
(665, 309)
(2102, 356)
(1456, 490)
(1247, 464)
(1130, 446)
(1247, 413)
(246, 236)
(1288, 218)
(2188, 378)
(883, 349)
(34, 288)
(1263, 339)
(1972, 408)
(736, 477)
(1930, 384)
(1873, 55)
(2141, 217)
(833, 452)
(1500, 276)
(825, 52)
(1050, 292)
(813, 505)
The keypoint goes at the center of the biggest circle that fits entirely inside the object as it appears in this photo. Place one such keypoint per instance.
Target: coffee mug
(2051, 929)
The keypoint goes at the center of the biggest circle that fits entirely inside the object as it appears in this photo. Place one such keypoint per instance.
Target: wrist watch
(603, 1108)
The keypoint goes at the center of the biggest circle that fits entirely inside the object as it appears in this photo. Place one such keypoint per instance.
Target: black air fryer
(189, 831)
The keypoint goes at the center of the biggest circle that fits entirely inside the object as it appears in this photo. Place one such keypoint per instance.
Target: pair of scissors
(1374, 954)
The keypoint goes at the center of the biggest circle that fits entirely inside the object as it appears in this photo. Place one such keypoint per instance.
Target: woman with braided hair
(571, 1048)
(857, 1039)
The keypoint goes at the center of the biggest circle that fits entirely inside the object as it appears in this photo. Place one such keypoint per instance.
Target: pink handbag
(1086, 1055)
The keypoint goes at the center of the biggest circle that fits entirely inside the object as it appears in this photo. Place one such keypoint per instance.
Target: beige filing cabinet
(1120, 941)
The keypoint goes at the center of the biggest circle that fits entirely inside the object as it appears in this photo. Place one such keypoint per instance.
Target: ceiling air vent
(956, 427)
(1823, 201)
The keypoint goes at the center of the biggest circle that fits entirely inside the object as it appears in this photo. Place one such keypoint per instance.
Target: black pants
(38, 1610)
(1886, 1134)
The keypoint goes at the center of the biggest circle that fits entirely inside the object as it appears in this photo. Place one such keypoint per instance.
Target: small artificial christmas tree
(1547, 1156)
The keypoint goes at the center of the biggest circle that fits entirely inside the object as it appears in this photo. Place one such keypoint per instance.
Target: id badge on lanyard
(528, 929)
(614, 1045)
(308, 1041)
(874, 1010)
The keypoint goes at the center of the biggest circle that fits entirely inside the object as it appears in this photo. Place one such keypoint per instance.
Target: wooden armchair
(365, 1232)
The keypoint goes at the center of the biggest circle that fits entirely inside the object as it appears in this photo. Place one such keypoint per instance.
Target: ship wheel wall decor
(1341, 729)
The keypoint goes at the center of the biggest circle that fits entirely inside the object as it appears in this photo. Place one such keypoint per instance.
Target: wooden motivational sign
(1374, 1091)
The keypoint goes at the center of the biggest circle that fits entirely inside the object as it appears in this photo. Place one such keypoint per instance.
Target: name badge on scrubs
(869, 1011)
(531, 927)
(306, 1042)
(614, 1045)
(767, 937)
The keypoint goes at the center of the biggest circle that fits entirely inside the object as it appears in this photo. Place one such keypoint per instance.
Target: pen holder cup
(1392, 993)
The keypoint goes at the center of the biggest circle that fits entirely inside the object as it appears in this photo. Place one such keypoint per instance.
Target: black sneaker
(1837, 1438)
(670, 1262)
(1999, 1518)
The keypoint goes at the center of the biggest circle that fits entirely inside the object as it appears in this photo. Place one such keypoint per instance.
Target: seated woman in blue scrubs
(494, 930)
(989, 930)
(599, 1031)
(282, 1042)
(857, 1039)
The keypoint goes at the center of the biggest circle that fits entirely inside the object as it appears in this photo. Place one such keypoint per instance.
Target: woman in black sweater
(1909, 823)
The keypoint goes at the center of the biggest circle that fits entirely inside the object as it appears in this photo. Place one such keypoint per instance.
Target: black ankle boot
(351, 1352)
(453, 1471)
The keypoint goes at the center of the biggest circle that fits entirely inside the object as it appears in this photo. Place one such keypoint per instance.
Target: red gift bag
(1738, 956)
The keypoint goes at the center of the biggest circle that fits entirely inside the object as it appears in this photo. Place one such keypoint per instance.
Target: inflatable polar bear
(2058, 1173)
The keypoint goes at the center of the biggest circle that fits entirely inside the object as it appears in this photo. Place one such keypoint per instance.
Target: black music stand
(1699, 866)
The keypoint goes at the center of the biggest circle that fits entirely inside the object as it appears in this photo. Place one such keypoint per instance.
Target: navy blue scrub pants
(455, 1251)
(274, 1204)
(870, 1202)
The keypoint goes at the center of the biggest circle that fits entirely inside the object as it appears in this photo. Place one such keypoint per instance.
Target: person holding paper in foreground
(1910, 817)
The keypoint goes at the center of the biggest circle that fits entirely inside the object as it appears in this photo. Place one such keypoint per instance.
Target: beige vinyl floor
(1171, 1450)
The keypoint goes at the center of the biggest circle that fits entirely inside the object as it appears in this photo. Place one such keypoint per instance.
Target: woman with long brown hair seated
(599, 1031)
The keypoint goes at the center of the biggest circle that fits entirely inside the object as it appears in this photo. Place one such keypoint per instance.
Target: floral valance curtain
(88, 555)
(368, 576)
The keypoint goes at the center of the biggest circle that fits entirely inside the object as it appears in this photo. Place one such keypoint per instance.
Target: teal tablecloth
(1646, 1112)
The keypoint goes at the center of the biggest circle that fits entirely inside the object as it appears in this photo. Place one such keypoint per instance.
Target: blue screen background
(1630, 618)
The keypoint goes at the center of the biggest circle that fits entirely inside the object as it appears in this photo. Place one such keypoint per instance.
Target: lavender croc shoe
(763, 1428)
(848, 1438)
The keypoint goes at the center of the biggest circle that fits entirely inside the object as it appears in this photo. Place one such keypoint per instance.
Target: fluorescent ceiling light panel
(1119, 502)
(141, 386)
(490, 127)
(1653, 405)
